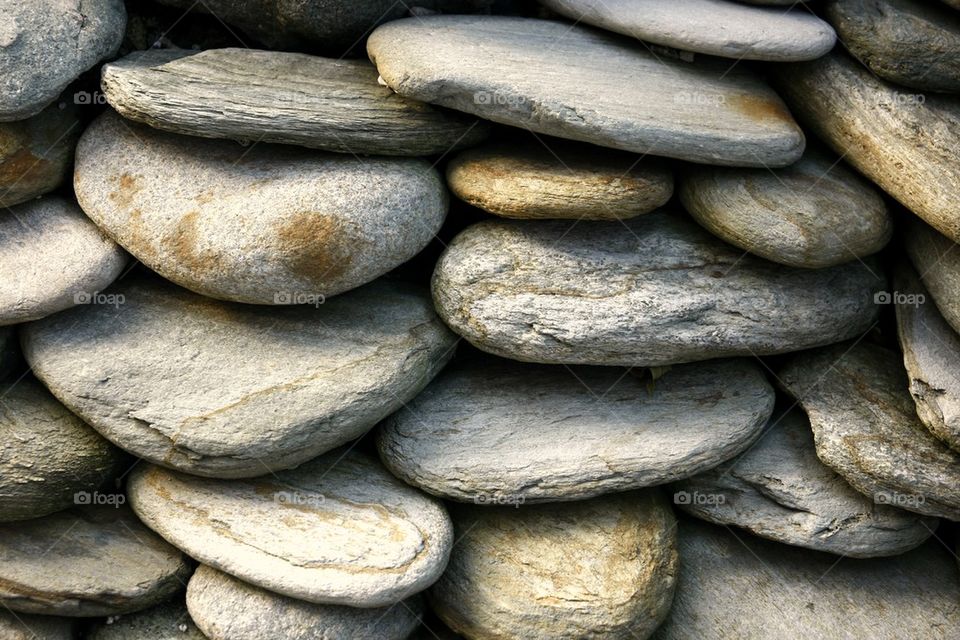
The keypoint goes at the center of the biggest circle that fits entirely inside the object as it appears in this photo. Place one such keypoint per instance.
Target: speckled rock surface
(937, 261)
(168, 621)
(23, 626)
(569, 82)
(228, 390)
(228, 609)
(336, 530)
(660, 291)
(602, 568)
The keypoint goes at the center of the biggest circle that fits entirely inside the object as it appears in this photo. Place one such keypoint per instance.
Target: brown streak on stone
(761, 108)
(314, 246)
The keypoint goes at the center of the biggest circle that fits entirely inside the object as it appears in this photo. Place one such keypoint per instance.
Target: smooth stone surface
(46, 44)
(813, 214)
(866, 428)
(22, 626)
(47, 454)
(650, 291)
(937, 260)
(602, 568)
(36, 154)
(336, 530)
(915, 43)
(168, 621)
(779, 490)
(274, 96)
(714, 27)
(737, 587)
(538, 178)
(569, 81)
(227, 390)
(88, 561)
(228, 609)
(873, 125)
(261, 224)
(51, 258)
(470, 435)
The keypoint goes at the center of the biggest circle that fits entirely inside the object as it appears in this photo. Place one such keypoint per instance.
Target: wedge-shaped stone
(937, 260)
(168, 621)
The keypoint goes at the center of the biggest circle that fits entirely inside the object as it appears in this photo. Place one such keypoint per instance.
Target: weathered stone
(51, 258)
(650, 291)
(227, 390)
(602, 568)
(336, 530)
(226, 609)
(274, 96)
(866, 428)
(262, 225)
(22, 626)
(813, 214)
(495, 430)
(937, 260)
(570, 81)
(168, 621)
(89, 561)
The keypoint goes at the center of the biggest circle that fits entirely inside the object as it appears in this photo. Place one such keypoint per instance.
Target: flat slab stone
(569, 81)
(226, 608)
(937, 260)
(263, 225)
(873, 124)
(651, 291)
(275, 96)
(602, 568)
(22, 626)
(866, 428)
(51, 258)
(89, 561)
(714, 27)
(469, 435)
(168, 621)
(336, 530)
(227, 390)
(779, 490)
(552, 178)
(815, 213)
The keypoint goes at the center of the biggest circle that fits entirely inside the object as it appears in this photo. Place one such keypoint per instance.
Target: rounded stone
(937, 260)
(168, 621)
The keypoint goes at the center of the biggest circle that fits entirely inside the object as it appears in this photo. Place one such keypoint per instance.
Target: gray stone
(89, 561)
(737, 587)
(779, 490)
(714, 27)
(227, 390)
(22, 626)
(51, 258)
(576, 83)
(815, 213)
(263, 224)
(937, 260)
(168, 621)
(601, 568)
(274, 96)
(915, 43)
(558, 179)
(336, 530)
(491, 431)
(46, 44)
(651, 291)
(866, 428)
(227, 609)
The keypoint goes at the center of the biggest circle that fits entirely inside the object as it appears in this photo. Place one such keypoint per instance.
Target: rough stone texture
(873, 124)
(915, 43)
(550, 178)
(228, 609)
(581, 84)
(937, 260)
(813, 214)
(737, 587)
(494, 430)
(36, 154)
(22, 626)
(51, 258)
(168, 621)
(88, 561)
(866, 428)
(227, 390)
(650, 291)
(779, 490)
(714, 27)
(336, 530)
(274, 96)
(46, 44)
(47, 454)
(602, 568)
(260, 224)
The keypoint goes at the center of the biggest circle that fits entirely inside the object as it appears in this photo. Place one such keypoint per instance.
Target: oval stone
(937, 260)
(168, 621)
(263, 224)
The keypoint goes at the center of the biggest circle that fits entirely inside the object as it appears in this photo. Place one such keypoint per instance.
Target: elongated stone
(167, 621)
(937, 260)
